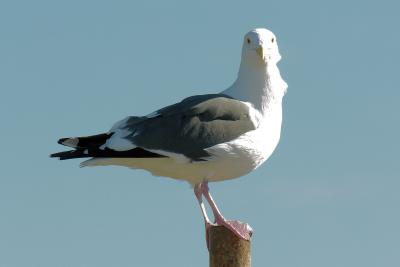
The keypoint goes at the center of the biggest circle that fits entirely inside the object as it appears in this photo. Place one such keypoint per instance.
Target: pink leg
(198, 192)
(242, 230)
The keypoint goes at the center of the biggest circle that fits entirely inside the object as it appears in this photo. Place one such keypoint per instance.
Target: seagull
(203, 138)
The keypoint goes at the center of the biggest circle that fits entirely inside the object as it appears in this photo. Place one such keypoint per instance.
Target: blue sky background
(329, 196)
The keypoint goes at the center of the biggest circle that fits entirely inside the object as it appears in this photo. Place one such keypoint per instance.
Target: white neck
(261, 85)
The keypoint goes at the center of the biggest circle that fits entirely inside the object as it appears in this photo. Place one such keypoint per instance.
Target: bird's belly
(243, 155)
(228, 161)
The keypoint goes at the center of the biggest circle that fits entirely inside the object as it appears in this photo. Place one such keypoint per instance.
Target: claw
(240, 229)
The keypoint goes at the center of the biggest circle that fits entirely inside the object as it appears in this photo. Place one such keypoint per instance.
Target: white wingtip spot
(71, 142)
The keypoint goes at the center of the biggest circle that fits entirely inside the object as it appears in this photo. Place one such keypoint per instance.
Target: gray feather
(192, 125)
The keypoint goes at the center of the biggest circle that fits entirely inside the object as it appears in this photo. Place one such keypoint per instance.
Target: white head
(259, 80)
(260, 48)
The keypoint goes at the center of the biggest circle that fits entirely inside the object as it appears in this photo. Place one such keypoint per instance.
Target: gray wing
(191, 126)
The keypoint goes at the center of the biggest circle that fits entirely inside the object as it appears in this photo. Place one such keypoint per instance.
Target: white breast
(250, 150)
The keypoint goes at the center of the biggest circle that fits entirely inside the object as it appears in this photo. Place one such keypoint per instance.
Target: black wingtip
(61, 141)
(55, 155)
(67, 154)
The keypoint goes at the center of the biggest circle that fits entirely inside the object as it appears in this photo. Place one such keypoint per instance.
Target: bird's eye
(272, 40)
(248, 40)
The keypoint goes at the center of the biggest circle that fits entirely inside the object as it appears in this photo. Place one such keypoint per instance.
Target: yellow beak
(260, 52)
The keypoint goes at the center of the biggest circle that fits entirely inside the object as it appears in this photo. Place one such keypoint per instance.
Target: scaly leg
(242, 230)
(198, 192)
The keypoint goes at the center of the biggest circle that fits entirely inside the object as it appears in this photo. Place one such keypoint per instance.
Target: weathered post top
(228, 250)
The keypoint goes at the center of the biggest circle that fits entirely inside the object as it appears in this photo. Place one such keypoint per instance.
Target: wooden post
(228, 250)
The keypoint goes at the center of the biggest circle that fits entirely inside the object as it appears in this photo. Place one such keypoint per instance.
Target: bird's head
(260, 48)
